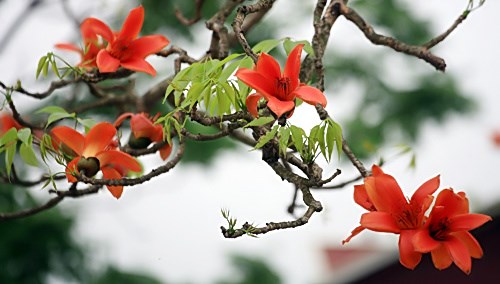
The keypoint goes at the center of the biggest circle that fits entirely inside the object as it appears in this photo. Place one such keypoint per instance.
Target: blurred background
(392, 107)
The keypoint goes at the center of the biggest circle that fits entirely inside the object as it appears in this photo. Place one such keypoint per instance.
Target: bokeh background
(393, 107)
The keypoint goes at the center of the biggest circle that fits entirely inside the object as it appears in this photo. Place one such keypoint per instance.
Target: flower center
(440, 230)
(407, 220)
(89, 166)
(283, 87)
(138, 142)
(119, 49)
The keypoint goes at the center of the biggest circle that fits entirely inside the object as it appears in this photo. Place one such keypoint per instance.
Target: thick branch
(378, 39)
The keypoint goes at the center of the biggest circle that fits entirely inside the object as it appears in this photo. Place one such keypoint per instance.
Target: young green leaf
(39, 68)
(10, 152)
(297, 134)
(25, 135)
(260, 121)
(284, 135)
(9, 137)
(52, 109)
(266, 138)
(58, 116)
(28, 155)
(266, 45)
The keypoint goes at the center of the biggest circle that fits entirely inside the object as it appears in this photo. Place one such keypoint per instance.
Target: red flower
(7, 122)
(391, 212)
(278, 89)
(91, 43)
(144, 132)
(445, 234)
(95, 152)
(124, 48)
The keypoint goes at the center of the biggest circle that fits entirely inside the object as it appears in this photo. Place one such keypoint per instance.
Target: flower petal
(165, 151)
(441, 257)
(72, 138)
(97, 26)
(257, 81)
(379, 222)
(147, 45)
(280, 107)
(139, 65)
(70, 47)
(361, 197)
(408, 257)
(467, 222)
(71, 168)
(252, 103)
(471, 243)
(121, 118)
(98, 138)
(310, 95)
(426, 189)
(455, 203)
(423, 242)
(106, 63)
(132, 25)
(385, 193)
(268, 67)
(292, 66)
(354, 232)
(459, 253)
(142, 126)
(110, 173)
(114, 157)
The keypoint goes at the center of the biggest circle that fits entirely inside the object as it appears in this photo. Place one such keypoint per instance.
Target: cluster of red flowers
(98, 149)
(444, 233)
(122, 48)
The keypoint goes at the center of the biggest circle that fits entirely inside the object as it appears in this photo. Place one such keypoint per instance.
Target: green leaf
(266, 138)
(52, 109)
(28, 155)
(86, 122)
(266, 45)
(10, 152)
(284, 139)
(313, 136)
(288, 45)
(223, 102)
(297, 134)
(246, 62)
(260, 121)
(228, 71)
(194, 93)
(230, 93)
(9, 136)
(334, 135)
(321, 141)
(57, 116)
(25, 135)
(39, 68)
(45, 68)
(54, 68)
